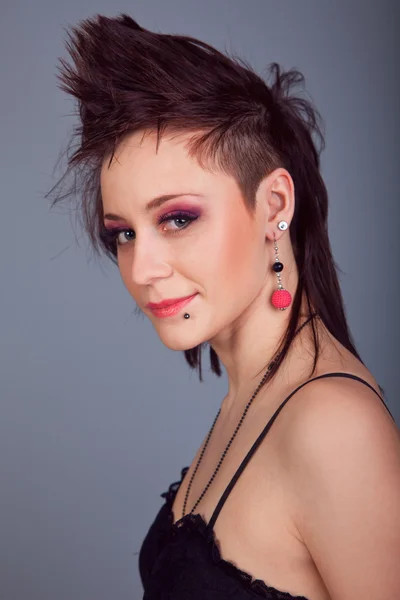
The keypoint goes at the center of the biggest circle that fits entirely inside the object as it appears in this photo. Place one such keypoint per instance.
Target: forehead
(139, 166)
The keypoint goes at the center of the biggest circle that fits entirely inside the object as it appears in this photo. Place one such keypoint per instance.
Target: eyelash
(110, 236)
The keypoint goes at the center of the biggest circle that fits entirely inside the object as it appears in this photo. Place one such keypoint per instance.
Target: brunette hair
(126, 78)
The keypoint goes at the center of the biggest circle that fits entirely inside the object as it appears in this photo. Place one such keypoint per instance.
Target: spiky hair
(126, 78)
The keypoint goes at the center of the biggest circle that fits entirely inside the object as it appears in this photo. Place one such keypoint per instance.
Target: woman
(202, 184)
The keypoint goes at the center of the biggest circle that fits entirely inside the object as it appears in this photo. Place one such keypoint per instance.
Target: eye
(123, 236)
(114, 238)
(179, 218)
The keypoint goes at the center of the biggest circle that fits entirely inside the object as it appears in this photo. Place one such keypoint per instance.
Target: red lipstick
(169, 307)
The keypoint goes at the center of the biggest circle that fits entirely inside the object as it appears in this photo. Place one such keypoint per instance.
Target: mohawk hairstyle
(126, 78)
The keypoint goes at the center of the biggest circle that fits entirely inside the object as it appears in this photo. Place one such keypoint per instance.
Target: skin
(308, 469)
(159, 264)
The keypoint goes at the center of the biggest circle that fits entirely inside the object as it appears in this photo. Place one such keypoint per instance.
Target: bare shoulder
(331, 405)
(339, 406)
(335, 414)
(341, 461)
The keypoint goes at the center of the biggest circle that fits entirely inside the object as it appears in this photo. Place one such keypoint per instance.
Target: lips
(167, 303)
(170, 309)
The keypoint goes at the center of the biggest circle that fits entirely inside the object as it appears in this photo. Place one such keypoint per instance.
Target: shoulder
(341, 461)
(338, 421)
(330, 411)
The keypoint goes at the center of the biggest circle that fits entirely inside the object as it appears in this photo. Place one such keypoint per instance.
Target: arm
(342, 459)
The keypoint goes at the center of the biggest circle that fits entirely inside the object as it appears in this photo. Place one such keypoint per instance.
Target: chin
(179, 340)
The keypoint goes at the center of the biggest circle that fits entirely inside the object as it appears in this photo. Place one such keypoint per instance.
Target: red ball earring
(281, 298)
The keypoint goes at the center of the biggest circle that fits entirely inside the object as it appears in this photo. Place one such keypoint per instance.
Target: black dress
(181, 561)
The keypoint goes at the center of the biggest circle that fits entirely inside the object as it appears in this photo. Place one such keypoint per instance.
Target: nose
(150, 260)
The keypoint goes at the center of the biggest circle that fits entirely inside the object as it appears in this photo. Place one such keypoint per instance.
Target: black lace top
(181, 561)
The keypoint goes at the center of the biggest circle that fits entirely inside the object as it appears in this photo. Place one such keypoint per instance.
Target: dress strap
(264, 432)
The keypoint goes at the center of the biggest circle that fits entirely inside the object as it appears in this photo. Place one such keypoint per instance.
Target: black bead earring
(187, 316)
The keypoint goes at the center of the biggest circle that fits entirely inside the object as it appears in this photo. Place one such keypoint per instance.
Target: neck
(252, 342)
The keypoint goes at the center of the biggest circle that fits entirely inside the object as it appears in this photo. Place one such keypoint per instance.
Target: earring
(281, 298)
(283, 225)
(186, 315)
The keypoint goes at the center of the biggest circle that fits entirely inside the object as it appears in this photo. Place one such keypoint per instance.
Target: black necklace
(234, 433)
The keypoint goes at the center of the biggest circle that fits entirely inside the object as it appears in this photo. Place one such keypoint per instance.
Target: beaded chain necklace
(234, 433)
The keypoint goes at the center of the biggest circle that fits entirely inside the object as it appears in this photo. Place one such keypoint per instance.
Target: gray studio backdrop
(97, 417)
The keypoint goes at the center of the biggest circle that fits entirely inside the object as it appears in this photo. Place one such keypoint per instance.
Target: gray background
(97, 416)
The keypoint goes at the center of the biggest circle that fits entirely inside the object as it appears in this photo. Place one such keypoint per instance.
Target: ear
(275, 197)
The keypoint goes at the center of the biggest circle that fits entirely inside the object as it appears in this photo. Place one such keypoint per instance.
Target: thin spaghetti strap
(264, 432)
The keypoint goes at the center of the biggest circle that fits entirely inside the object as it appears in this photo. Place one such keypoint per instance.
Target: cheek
(238, 263)
(235, 259)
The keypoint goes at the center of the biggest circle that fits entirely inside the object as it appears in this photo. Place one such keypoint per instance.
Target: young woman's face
(203, 243)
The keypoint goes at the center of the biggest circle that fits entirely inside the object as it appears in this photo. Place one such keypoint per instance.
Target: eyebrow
(154, 203)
